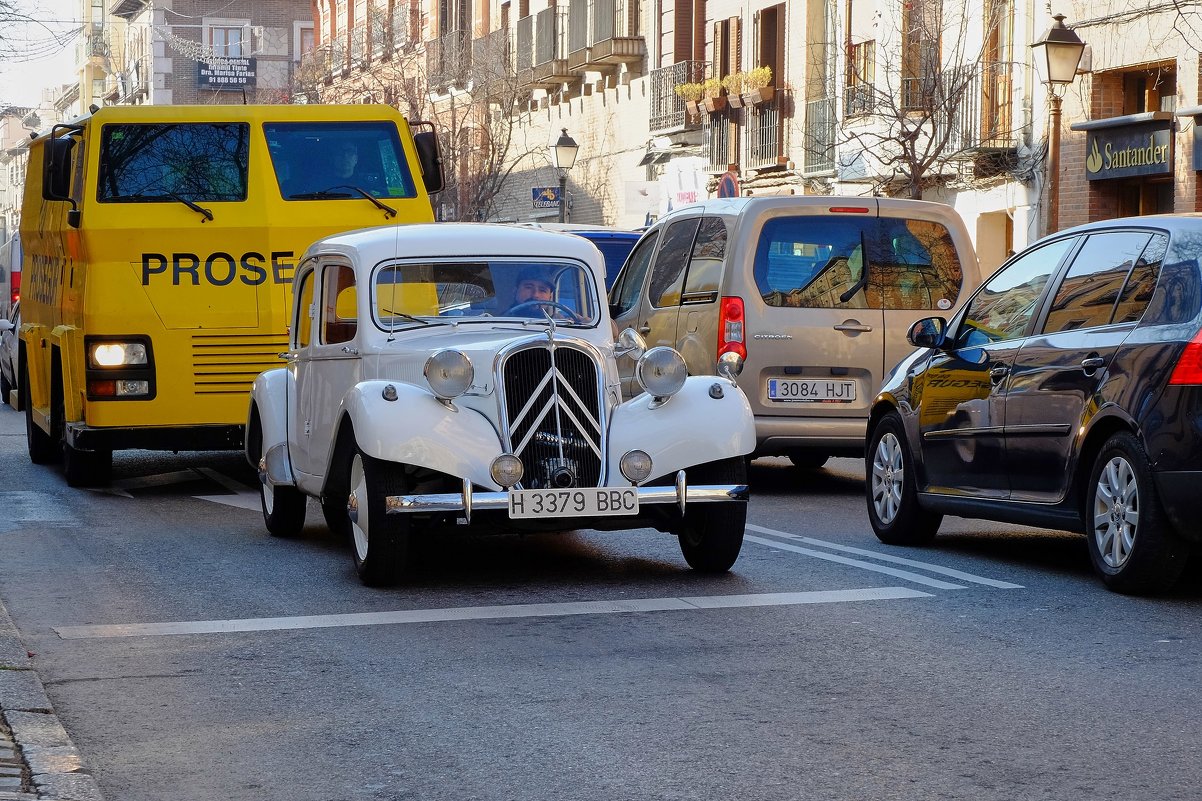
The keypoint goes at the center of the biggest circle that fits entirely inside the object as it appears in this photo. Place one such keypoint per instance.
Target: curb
(38, 761)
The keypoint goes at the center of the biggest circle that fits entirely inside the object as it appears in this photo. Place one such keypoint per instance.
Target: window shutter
(682, 30)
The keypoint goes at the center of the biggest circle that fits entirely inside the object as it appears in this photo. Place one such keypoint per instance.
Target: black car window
(1090, 287)
(629, 287)
(164, 162)
(664, 289)
(1004, 306)
(1141, 282)
(709, 251)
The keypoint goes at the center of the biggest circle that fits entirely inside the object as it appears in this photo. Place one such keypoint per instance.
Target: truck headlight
(661, 372)
(449, 374)
(117, 354)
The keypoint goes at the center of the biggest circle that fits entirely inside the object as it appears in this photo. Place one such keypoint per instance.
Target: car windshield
(481, 291)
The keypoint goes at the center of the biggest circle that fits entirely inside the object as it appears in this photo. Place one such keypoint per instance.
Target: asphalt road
(587, 665)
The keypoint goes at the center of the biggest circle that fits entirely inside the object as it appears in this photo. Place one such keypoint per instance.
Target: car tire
(87, 468)
(43, 449)
(808, 460)
(711, 534)
(1132, 545)
(334, 511)
(379, 541)
(283, 506)
(890, 488)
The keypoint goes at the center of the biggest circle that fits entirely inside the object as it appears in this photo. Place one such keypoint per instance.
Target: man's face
(346, 156)
(533, 289)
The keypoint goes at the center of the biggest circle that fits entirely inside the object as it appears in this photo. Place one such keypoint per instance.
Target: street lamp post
(1058, 53)
(563, 153)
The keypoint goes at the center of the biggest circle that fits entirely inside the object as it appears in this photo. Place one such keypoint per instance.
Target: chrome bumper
(467, 501)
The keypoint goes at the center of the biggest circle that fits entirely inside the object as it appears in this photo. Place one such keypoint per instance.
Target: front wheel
(1131, 543)
(43, 449)
(893, 509)
(283, 506)
(711, 534)
(380, 541)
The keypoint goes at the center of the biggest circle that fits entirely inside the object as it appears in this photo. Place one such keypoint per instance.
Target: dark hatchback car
(1067, 393)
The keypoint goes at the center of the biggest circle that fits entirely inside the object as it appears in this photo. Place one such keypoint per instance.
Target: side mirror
(929, 332)
(56, 168)
(630, 343)
(429, 158)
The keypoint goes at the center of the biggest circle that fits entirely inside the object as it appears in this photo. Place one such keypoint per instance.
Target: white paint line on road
(486, 613)
(905, 575)
(897, 560)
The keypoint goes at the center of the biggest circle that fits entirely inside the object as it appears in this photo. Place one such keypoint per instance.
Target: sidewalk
(38, 761)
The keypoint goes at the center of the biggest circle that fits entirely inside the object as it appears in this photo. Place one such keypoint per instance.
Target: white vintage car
(463, 374)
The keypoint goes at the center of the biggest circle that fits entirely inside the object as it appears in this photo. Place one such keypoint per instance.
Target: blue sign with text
(545, 197)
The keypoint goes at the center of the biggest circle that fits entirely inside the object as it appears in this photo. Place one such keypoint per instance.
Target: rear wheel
(1131, 543)
(42, 447)
(893, 508)
(380, 541)
(711, 534)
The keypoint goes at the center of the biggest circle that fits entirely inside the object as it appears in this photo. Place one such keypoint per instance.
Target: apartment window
(921, 21)
(1150, 90)
(227, 41)
(861, 78)
(996, 89)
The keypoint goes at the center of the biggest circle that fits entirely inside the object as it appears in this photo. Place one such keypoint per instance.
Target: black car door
(1056, 379)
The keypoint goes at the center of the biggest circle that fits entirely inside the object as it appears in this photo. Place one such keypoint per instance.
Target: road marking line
(243, 500)
(897, 560)
(905, 575)
(486, 613)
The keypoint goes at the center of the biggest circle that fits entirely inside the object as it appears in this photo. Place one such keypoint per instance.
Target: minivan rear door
(815, 345)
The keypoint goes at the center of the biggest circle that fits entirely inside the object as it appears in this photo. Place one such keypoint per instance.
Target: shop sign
(226, 73)
(1130, 150)
(545, 197)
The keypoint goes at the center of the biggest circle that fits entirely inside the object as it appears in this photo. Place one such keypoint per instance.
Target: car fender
(693, 427)
(420, 430)
(269, 396)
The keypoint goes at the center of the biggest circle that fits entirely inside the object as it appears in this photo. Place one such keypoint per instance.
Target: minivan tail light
(1189, 364)
(730, 327)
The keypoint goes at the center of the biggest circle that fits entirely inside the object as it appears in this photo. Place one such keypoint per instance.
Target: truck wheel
(87, 468)
(1131, 544)
(283, 507)
(42, 448)
(892, 495)
(380, 541)
(711, 534)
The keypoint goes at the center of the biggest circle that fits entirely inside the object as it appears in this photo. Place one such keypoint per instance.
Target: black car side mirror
(929, 332)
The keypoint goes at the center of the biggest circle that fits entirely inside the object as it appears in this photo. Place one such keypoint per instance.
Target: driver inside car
(534, 296)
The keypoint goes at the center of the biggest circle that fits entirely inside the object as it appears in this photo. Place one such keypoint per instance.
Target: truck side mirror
(430, 159)
(56, 169)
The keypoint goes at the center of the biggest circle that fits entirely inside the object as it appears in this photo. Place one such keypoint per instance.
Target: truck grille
(554, 417)
(225, 364)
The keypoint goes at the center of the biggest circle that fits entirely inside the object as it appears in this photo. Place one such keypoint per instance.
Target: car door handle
(644, 329)
(1093, 363)
(998, 372)
(857, 327)
(350, 350)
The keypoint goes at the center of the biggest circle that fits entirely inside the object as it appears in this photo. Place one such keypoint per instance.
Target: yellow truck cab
(159, 247)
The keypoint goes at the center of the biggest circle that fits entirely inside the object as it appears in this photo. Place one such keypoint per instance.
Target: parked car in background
(10, 274)
(1068, 394)
(615, 244)
(427, 389)
(809, 297)
(10, 341)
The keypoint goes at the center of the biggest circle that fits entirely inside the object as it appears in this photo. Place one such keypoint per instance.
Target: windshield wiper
(389, 211)
(402, 314)
(141, 198)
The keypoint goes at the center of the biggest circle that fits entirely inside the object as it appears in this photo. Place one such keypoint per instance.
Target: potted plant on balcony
(758, 86)
(713, 101)
(734, 85)
(691, 94)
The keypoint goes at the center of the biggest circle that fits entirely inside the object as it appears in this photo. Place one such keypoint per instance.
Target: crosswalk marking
(406, 616)
(897, 560)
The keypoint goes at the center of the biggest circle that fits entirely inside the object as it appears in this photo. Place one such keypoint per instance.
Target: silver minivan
(813, 295)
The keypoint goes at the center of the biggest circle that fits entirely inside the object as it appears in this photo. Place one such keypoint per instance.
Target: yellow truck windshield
(327, 160)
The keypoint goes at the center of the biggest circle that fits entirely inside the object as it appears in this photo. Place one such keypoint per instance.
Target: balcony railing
(667, 110)
(524, 51)
(859, 99)
(401, 36)
(379, 32)
(718, 132)
(818, 155)
(338, 53)
(551, 49)
(96, 44)
(765, 137)
(449, 60)
(492, 57)
(359, 54)
(981, 119)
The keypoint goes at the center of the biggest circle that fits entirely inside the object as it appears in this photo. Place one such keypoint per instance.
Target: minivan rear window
(818, 262)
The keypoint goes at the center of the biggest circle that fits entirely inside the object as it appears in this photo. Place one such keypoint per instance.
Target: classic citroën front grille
(552, 403)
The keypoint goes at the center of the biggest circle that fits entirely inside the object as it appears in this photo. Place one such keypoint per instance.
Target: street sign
(545, 197)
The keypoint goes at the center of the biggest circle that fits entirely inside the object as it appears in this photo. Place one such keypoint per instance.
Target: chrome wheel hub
(887, 478)
(1116, 512)
(357, 508)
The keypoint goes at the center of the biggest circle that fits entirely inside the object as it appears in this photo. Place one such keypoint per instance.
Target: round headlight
(449, 373)
(506, 470)
(636, 466)
(661, 372)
